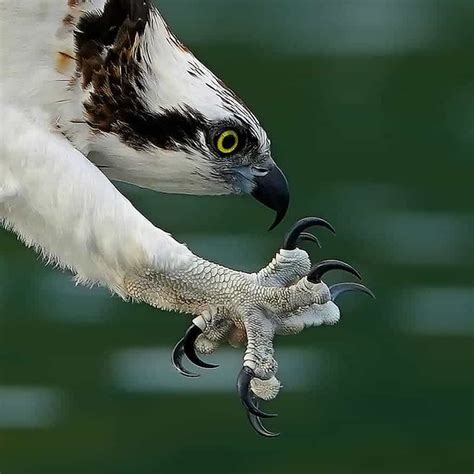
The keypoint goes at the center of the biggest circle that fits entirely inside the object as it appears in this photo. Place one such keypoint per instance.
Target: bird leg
(249, 309)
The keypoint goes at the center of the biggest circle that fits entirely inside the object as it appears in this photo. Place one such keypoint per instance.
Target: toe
(265, 389)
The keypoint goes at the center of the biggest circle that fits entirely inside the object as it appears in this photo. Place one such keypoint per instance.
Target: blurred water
(370, 108)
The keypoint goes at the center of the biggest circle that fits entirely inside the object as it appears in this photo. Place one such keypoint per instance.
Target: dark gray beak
(271, 189)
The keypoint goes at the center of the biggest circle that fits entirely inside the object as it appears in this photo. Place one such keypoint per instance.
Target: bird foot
(256, 329)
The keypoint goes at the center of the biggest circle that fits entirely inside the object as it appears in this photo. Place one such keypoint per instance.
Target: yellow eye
(227, 142)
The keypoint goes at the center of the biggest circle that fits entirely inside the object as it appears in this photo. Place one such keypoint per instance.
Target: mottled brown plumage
(114, 75)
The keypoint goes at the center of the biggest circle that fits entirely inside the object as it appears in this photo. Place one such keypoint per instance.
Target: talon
(186, 346)
(257, 424)
(317, 272)
(177, 359)
(310, 238)
(243, 387)
(291, 239)
(340, 288)
(189, 339)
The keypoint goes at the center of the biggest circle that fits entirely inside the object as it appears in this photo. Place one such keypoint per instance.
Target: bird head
(158, 118)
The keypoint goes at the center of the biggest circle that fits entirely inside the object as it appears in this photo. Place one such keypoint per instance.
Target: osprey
(93, 91)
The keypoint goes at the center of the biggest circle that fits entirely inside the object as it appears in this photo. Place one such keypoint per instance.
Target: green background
(370, 107)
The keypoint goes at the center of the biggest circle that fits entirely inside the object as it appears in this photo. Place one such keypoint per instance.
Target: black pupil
(228, 142)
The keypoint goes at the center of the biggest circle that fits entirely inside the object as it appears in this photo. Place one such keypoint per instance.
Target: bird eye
(227, 142)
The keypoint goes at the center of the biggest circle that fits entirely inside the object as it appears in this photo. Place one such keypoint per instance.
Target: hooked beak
(271, 189)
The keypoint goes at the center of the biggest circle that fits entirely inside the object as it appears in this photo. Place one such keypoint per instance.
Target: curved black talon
(257, 424)
(291, 239)
(189, 339)
(317, 272)
(246, 374)
(309, 238)
(186, 347)
(340, 288)
(177, 359)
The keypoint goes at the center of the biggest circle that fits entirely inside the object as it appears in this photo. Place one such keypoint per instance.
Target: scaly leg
(282, 299)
